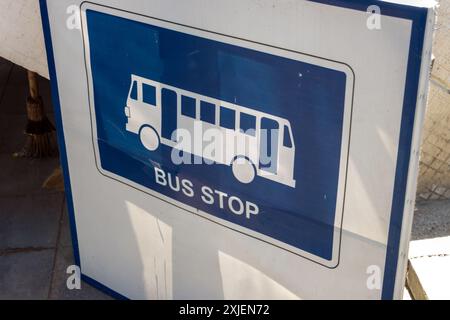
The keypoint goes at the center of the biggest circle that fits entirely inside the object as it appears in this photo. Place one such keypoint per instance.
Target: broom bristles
(40, 141)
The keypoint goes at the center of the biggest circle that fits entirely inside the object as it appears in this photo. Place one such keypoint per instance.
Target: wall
(21, 37)
(434, 175)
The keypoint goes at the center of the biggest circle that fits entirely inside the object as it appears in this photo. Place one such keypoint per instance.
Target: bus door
(168, 113)
(268, 150)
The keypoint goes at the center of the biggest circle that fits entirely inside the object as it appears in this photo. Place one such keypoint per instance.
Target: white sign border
(290, 54)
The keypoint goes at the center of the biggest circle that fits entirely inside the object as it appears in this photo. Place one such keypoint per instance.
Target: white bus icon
(156, 111)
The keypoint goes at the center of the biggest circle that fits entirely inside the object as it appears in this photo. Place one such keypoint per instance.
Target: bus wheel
(149, 138)
(243, 170)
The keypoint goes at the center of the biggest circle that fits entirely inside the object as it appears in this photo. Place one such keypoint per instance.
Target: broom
(40, 141)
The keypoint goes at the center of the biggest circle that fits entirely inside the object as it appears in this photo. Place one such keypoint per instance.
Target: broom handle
(33, 84)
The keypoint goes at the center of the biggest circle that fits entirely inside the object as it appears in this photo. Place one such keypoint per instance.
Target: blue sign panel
(243, 134)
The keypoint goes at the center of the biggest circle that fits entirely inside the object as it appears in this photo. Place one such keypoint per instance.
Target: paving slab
(35, 240)
(65, 236)
(23, 176)
(26, 275)
(431, 220)
(30, 222)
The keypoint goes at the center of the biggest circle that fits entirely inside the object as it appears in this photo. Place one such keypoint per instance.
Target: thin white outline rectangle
(345, 144)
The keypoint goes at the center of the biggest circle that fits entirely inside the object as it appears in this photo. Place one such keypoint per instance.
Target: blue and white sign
(240, 149)
(252, 137)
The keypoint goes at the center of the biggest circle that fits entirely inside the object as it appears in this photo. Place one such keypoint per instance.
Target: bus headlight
(127, 112)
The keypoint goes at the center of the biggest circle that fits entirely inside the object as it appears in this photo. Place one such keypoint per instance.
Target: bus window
(149, 94)
(133, 91)
(188, 106)
(268, 153)
(168, 113)
(227, 118)
(287, 142)
(248, 124)
(207, 112)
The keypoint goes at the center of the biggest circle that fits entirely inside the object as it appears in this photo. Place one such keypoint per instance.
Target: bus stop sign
(212, 153)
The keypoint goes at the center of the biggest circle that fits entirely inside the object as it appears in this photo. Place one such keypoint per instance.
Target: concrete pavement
(35, 241)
